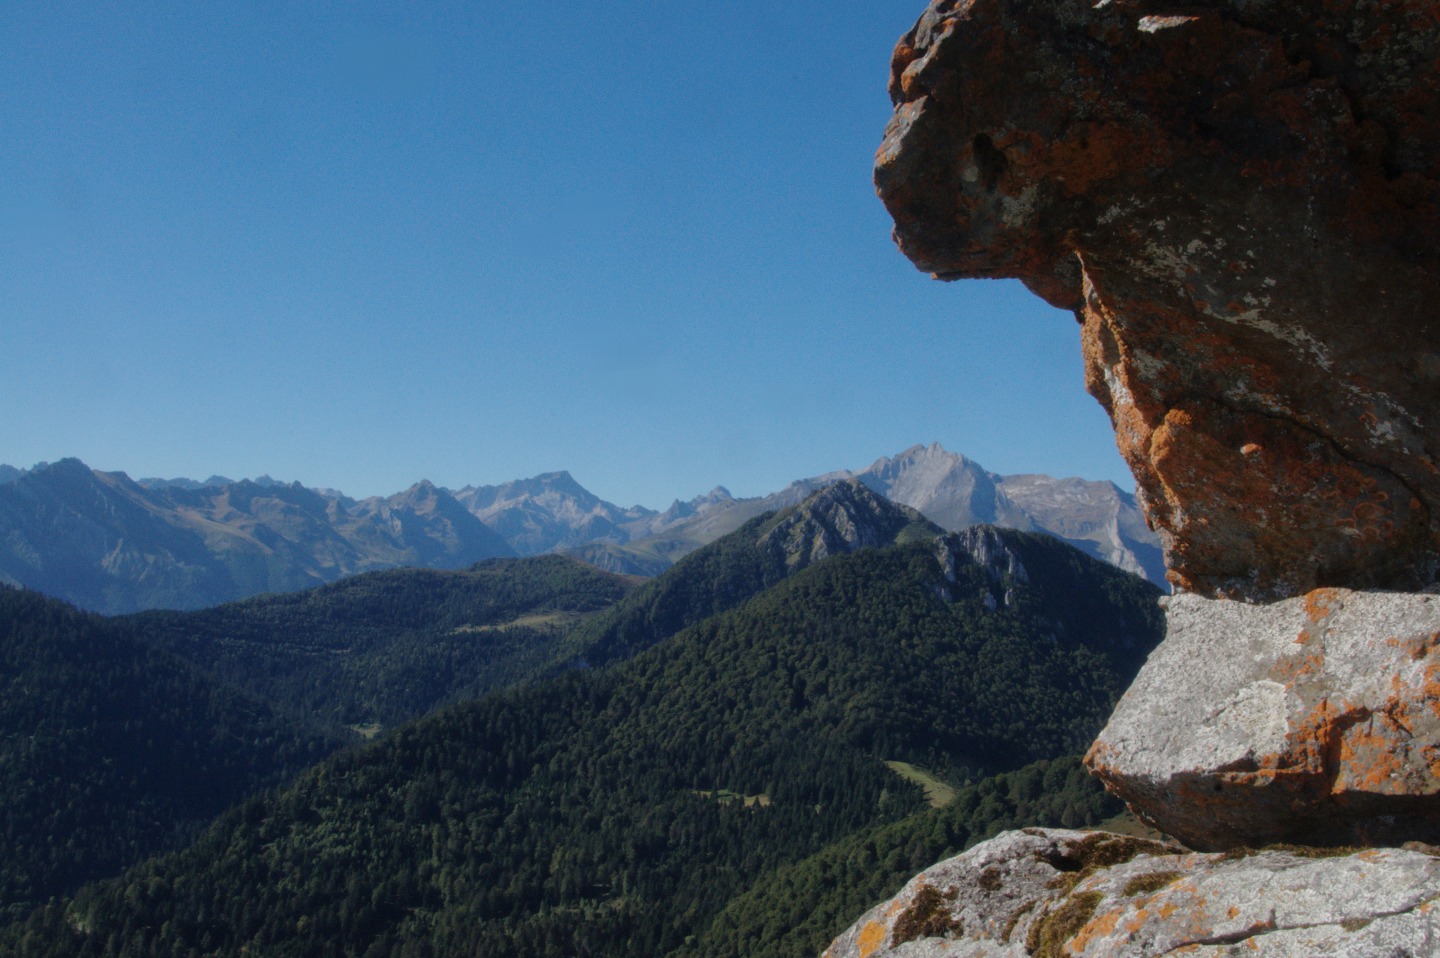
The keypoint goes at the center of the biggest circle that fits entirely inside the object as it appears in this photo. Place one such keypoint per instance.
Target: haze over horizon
(656, 506)
(355, 248)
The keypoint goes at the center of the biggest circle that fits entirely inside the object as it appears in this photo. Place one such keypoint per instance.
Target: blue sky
(359, 245)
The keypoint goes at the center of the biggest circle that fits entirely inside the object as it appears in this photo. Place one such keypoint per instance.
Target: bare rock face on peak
(840, 518)
(1241, 201)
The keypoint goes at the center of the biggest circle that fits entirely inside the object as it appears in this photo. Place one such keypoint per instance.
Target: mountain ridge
(568, 815)
(105, 543)
(112, 544)
(1097, 517)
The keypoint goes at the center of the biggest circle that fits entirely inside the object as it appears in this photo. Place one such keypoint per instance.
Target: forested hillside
(378, 649)
(741, 565)
(112, 750)
(617, 811)
(796, 910)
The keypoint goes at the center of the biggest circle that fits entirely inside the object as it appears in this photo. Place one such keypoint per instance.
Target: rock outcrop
(986, 547)
(1313, 720)
(840, 518)
(1239, 200)
(1042, 893)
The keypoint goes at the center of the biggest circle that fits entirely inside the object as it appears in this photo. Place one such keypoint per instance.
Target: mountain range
(111, 544)
(655, 774)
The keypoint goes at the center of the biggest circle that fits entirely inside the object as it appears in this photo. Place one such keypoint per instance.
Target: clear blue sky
(359, 245)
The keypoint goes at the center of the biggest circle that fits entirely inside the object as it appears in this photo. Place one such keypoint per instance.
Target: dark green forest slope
(385, 647)
(796, 910)
(112, 750)
(617, 811)
(741, 565)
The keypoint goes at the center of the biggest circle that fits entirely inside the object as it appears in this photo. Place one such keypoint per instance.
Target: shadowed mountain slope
(720, 576)
(377, 649)
(112, 750)
(615, 811)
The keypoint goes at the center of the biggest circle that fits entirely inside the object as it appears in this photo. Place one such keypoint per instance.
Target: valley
(569, 762)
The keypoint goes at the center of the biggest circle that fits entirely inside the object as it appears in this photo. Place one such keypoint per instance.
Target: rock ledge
(1039, 893)
(1313, 720)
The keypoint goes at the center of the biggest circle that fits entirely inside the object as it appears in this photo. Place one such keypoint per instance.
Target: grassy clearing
(937, 793)
(543, 621)
(725, 797)
(1127, 824)
(367, 732)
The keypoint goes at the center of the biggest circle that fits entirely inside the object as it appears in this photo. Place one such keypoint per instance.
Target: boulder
(1041, 893)
(1239, 201)
(1313, 720)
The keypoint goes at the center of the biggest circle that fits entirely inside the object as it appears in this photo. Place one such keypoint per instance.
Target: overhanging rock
(1241, 201)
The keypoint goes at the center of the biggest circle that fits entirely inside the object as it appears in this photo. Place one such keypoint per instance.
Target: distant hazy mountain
(1096, 517)
(113, 545)
(192, 485)
(106, 543)
(953, 492)
(549, 512)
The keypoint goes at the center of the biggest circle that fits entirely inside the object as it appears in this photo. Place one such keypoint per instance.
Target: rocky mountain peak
(559, 482)
(69, 467)
(918, 455)
(842, 517)
(945, 486)
(424, 489)
(717, 495)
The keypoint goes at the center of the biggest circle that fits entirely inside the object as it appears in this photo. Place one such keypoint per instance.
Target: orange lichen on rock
(1322, 726)
(1296, 901)
(872, 936)
(1240, 205)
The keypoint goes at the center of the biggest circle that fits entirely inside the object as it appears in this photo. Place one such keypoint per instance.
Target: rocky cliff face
(1239, 201)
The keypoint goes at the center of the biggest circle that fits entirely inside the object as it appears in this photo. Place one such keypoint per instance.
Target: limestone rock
(1239, 200)
(1313, 720)
(1041, 893)
(986, 547)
